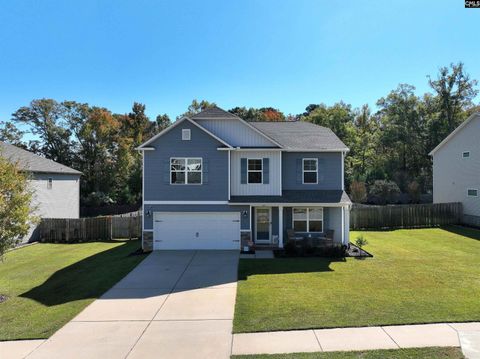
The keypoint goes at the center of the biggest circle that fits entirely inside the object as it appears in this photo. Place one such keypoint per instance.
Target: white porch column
(280, 226)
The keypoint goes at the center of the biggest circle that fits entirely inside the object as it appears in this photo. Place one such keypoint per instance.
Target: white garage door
(196, 230)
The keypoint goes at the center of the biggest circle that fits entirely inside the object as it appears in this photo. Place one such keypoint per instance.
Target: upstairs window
(255, 170)
(310, 170)
(185, 170)
(466, 154)
(472, 192)
(186, 134)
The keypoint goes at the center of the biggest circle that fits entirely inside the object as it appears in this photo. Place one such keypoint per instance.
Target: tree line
(389, 146)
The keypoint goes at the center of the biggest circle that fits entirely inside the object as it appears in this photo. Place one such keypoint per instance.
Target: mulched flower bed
(3, 298)
(354, 251)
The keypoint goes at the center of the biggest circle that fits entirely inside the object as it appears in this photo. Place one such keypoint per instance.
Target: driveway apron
(175, 304)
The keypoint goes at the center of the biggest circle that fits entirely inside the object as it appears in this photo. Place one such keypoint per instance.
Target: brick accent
(147, 241)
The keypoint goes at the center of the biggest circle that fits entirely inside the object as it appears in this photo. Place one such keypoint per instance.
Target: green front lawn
(48, 284)
(415, 276)
(415, 353)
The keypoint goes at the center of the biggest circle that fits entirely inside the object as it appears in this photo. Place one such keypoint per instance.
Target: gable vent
(186, 134)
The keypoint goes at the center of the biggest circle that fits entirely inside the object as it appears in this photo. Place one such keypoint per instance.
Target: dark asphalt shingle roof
(213, 113)
(31, 162)
(299, 135)
(298, 196)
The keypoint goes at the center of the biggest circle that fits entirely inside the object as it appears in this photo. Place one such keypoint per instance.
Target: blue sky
(284, 54)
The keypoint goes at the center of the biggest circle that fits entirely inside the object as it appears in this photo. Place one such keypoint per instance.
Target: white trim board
(184, 202)
(175, 124)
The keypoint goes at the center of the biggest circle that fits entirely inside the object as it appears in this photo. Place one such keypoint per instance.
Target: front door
(263, 221)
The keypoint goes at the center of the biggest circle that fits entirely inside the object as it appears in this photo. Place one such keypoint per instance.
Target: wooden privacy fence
(127, 227)
(89, 229)
(405, 216)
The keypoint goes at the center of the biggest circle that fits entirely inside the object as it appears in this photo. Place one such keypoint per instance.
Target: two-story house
(456, 169)
(215, 181)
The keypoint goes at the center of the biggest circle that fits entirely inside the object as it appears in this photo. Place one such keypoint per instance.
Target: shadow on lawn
(87, 278)
(464, 231)
(285, 266)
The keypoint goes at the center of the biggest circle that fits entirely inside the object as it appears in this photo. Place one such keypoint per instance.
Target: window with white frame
(49, 183)
(310, 170)
(308, 219)
(255, 170)
(186, 134)
(472, 192)
(466, 154)
(185, 170)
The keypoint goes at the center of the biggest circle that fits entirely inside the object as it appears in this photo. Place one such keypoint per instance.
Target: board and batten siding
(61, 201)
(235, 133)
(329, 170)
(453, 174)
(272, 188)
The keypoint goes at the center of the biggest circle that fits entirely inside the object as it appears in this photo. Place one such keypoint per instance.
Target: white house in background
(456, 169)
(56, 187)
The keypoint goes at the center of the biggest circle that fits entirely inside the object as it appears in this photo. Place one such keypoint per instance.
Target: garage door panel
(198, 230)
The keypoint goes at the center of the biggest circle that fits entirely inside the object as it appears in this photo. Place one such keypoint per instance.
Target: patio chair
(292, 236)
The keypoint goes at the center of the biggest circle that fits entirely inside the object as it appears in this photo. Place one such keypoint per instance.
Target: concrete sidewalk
(172, 305)
(354, 339)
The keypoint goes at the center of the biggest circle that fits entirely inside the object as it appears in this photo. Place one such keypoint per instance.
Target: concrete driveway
(175, 304)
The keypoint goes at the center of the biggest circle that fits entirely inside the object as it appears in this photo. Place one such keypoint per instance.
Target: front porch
(272, 226)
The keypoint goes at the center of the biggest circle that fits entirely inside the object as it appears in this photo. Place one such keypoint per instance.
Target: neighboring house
(215, 181)
(56, 187)
(456, 169)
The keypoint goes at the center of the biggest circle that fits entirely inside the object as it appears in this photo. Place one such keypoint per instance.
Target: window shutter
(266, 171)
(299, 170)
(204, 171)
(243, 171)
(166, 171)
(320, 173)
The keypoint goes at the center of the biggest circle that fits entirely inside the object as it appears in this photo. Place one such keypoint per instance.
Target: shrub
(16, 211)
(290, 248)
(384, 191)
(413, 190)
(361, 241)
(358, 191)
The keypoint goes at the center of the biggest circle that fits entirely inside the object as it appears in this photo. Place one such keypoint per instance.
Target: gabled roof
(30, 162)
(213, 113)
(454, 132)
(302, 136)
(216, 113)
(175, 124)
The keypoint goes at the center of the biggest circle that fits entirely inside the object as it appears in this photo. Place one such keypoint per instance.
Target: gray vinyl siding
(235, 133)
(157, 171)
(329, 170)
(272, 188)
(244, 220)
(61, 201)
(453, 174)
